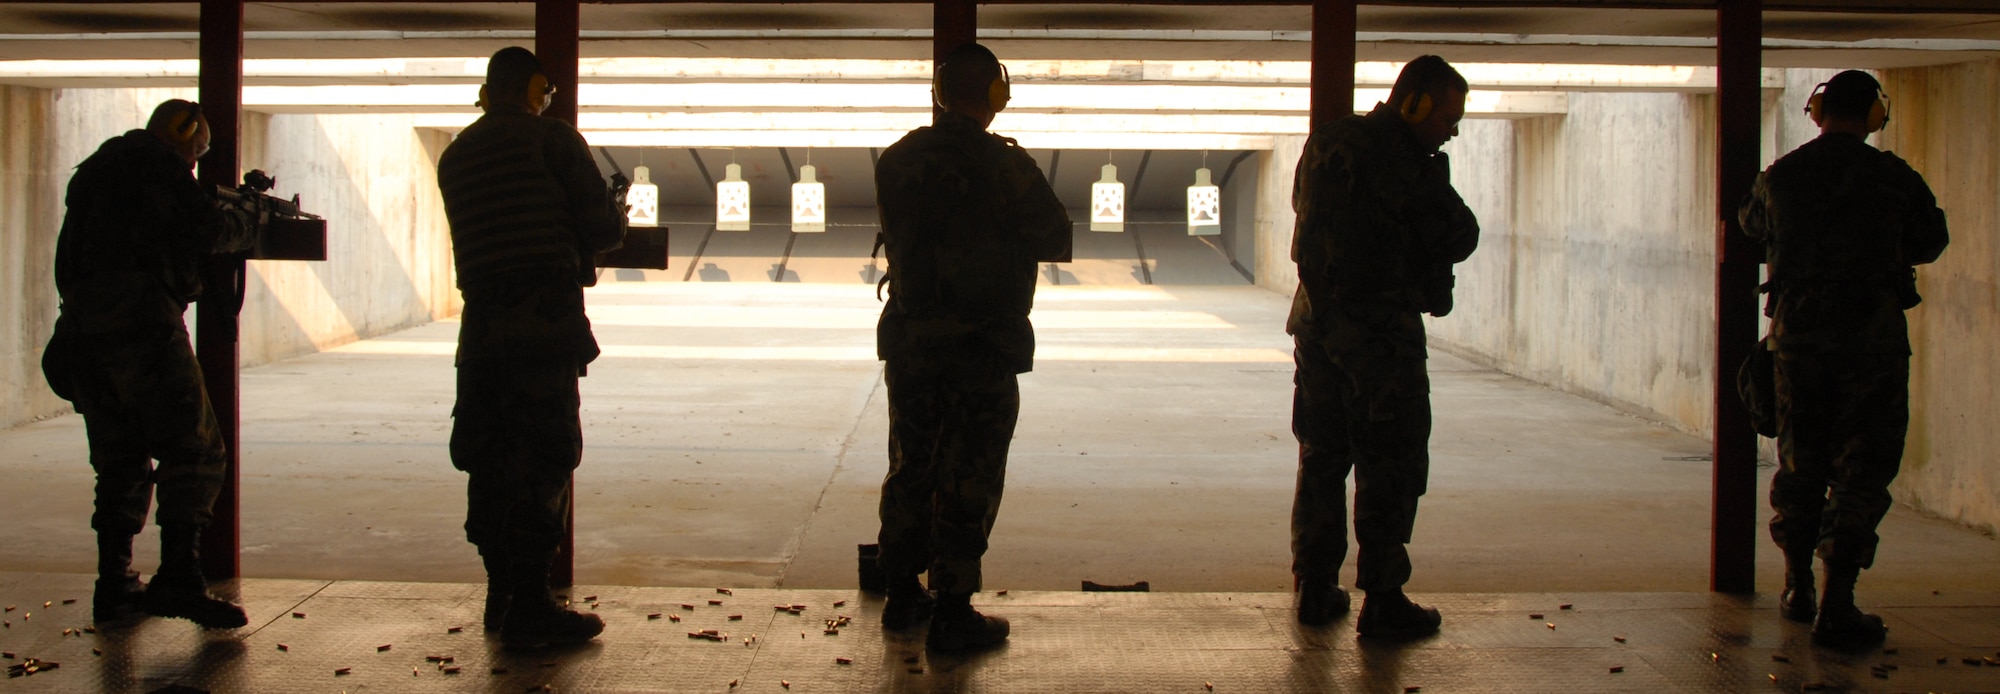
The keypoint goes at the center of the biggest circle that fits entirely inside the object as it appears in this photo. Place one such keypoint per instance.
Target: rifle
(590, 264)
(284, 231)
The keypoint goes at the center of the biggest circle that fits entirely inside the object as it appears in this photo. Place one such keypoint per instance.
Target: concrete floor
(356, 636)
(735, 437)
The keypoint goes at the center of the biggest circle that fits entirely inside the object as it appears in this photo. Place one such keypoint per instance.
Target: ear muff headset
(538, 86)
(1416, 107)
(185, 123)
(1878, 112)
(998, 92)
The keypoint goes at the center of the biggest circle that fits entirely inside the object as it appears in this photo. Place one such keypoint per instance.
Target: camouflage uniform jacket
(1376, 216)
(525, 202)
(966, 215)
(1842, 225)
(137, 227)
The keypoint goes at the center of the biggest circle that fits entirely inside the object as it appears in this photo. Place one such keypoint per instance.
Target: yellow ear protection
(538, 86)
(1878, 112)
(998, 93)
(185, 123)
(1416, 107)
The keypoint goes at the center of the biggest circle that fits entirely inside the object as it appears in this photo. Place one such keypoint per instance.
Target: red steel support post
(559, 45)
(1333, 24)
(1733, 524)
(221, 96)
(953, 22)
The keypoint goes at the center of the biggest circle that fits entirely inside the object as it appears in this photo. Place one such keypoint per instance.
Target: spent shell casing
(1780, 658)
(298, 615)
(732, 684)
(1565, 606)
(450, 670)
(785, 683)
(1535, 615)
(285, 648)
(381, 648)
(1615, 669)
(844, 661)
(736, 618)
(674, 618)
(1002, 592)
(1619, 639)
(97, 651)
(686, 606)
(1208, 686)
(653, 615)
(723, 591)
(69, 601)
(839, 603)
(715, 602)
(342, 671)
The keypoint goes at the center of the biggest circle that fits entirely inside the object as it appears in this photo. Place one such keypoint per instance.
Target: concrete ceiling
(1799, 33)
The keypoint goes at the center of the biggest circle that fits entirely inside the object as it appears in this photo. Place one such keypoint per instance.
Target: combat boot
(534, 620)
(908, 604)
(119, 595)
(1841, 624)
(1391, 615)
(1320, 601)
(179, 591)
(956, 627)
(1799, 602)
(499, 589)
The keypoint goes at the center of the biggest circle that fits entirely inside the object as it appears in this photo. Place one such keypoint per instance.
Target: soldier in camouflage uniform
(526, 206)
(1843, 226)
(127, 266)
(966, 215)
(1379, 227)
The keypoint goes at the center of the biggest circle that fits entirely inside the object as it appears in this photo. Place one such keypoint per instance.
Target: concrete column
(1333, 25)
(558, 44)
(1739, 104)
(953, 22)
(216, 326)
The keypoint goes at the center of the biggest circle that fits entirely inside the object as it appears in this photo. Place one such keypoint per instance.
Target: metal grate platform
(303, 632)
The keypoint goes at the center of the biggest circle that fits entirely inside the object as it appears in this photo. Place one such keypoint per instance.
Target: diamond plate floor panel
(350, 636)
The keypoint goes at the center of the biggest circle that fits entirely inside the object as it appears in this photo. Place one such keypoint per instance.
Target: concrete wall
(388, 249)
(1945, 123)
(372, 176)
(29, 200)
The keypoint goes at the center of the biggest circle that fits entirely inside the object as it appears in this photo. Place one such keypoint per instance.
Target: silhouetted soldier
(966, 215)
(1379, 227)
(127, 266)
(525, 202)
(1842, 225)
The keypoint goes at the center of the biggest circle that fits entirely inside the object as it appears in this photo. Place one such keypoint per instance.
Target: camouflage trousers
(517, 433)
(1841, 425)
(142, 398)
(1369, 415)
(948, 438)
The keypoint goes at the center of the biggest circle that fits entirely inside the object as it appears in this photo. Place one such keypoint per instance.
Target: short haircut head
(175, 118)
(968, 71)
(509, 71)
(1850, 94)
(1428, 74)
